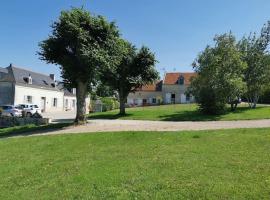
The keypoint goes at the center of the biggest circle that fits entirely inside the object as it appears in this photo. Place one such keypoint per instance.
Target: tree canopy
(219, 79)
(82, 44)
(137, 68)
(255, 53)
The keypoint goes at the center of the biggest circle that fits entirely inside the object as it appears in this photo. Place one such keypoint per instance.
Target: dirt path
(139, 125)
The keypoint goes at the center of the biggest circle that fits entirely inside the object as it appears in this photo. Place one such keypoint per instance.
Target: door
(43, 104)
(173, 98)
(183, 98)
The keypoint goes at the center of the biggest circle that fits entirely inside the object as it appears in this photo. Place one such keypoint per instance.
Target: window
(54, 102)
(66, 104)
(29, 99)
(33, 106)
(181, 80)
(73, 103)
(154, 100)
(144, 101)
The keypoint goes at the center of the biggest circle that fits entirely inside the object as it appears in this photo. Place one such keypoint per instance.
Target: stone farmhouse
(171, 90)
(21, 86)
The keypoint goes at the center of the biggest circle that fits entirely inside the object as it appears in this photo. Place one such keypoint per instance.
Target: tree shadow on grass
(108, 116)
(196, 115)
(189, 116)
(31, 129)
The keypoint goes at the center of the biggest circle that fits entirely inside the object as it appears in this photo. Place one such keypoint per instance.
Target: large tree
(255, 53)
(137, 68)
(219, 80)
(82, 44)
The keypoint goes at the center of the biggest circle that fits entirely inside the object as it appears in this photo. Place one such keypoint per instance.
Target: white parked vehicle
(10, 110)
(30, 109)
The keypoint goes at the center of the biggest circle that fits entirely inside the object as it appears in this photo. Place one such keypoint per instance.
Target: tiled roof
(152, 87)
(3, 70)
(38, 80)
(172, 78)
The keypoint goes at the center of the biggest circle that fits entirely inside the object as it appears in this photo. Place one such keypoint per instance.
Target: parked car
(30, 109)
(10, 110)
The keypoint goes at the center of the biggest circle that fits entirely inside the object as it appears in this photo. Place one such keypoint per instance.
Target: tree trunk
(81, 92)
(122, 99)
(234, 106)
(255, 100)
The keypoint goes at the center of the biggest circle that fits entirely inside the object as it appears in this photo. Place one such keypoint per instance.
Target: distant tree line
(231, 70)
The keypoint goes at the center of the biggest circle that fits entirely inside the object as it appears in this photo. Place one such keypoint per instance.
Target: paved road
(139, 125)
(60, 116)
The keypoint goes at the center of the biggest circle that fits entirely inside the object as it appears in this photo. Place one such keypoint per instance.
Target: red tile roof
(151, 87)
(172, 78)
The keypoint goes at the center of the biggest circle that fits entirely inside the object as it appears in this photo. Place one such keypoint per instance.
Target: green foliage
(109, 103)
(102, 90)
(224, 164)
(82, 44)
(265, 97)
(219, 80)
(255, 54)
(137, 68)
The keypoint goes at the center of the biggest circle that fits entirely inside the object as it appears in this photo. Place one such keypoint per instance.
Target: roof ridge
(29, 70)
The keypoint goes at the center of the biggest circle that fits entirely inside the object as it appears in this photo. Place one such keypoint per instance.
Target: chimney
(73, 90)
(29, 79)
(10, 65)
(52, 76)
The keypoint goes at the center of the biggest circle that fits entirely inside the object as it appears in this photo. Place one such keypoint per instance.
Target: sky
(175, 30)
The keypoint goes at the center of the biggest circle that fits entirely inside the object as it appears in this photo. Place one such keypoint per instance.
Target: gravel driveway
(139, 125)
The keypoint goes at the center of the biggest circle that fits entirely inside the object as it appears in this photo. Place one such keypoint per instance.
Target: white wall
(21, 92)
(69, 102)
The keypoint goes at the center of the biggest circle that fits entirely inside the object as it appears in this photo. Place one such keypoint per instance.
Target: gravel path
(139, 125)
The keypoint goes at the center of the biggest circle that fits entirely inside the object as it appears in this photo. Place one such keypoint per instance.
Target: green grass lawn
(183, 112)
(31, 128)
(226, 164)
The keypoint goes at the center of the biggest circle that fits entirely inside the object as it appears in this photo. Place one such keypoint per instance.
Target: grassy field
(227, 164)
(183, 112)
(31, 128)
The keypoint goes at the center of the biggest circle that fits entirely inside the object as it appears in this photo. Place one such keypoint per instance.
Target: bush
(109, 103)
(265, 98)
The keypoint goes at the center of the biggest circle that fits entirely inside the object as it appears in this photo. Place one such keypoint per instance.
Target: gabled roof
(67, 92)
(155, 87)
(172, 78)
(3, 70)
(38, 80)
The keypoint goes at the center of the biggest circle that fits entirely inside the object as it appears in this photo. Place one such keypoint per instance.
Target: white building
(19, 86)
(168, 91)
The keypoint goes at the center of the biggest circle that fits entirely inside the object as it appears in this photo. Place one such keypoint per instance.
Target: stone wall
(19, 121)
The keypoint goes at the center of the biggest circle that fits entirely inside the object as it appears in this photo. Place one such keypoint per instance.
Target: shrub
(109, 103)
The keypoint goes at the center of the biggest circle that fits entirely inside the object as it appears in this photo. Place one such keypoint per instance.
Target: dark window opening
(188, 97)
(181, 80)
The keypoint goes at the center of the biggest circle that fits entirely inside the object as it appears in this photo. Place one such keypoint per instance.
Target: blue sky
(176, 30)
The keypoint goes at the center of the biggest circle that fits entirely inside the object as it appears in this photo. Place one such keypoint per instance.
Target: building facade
(21, 86)
(169, 91)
